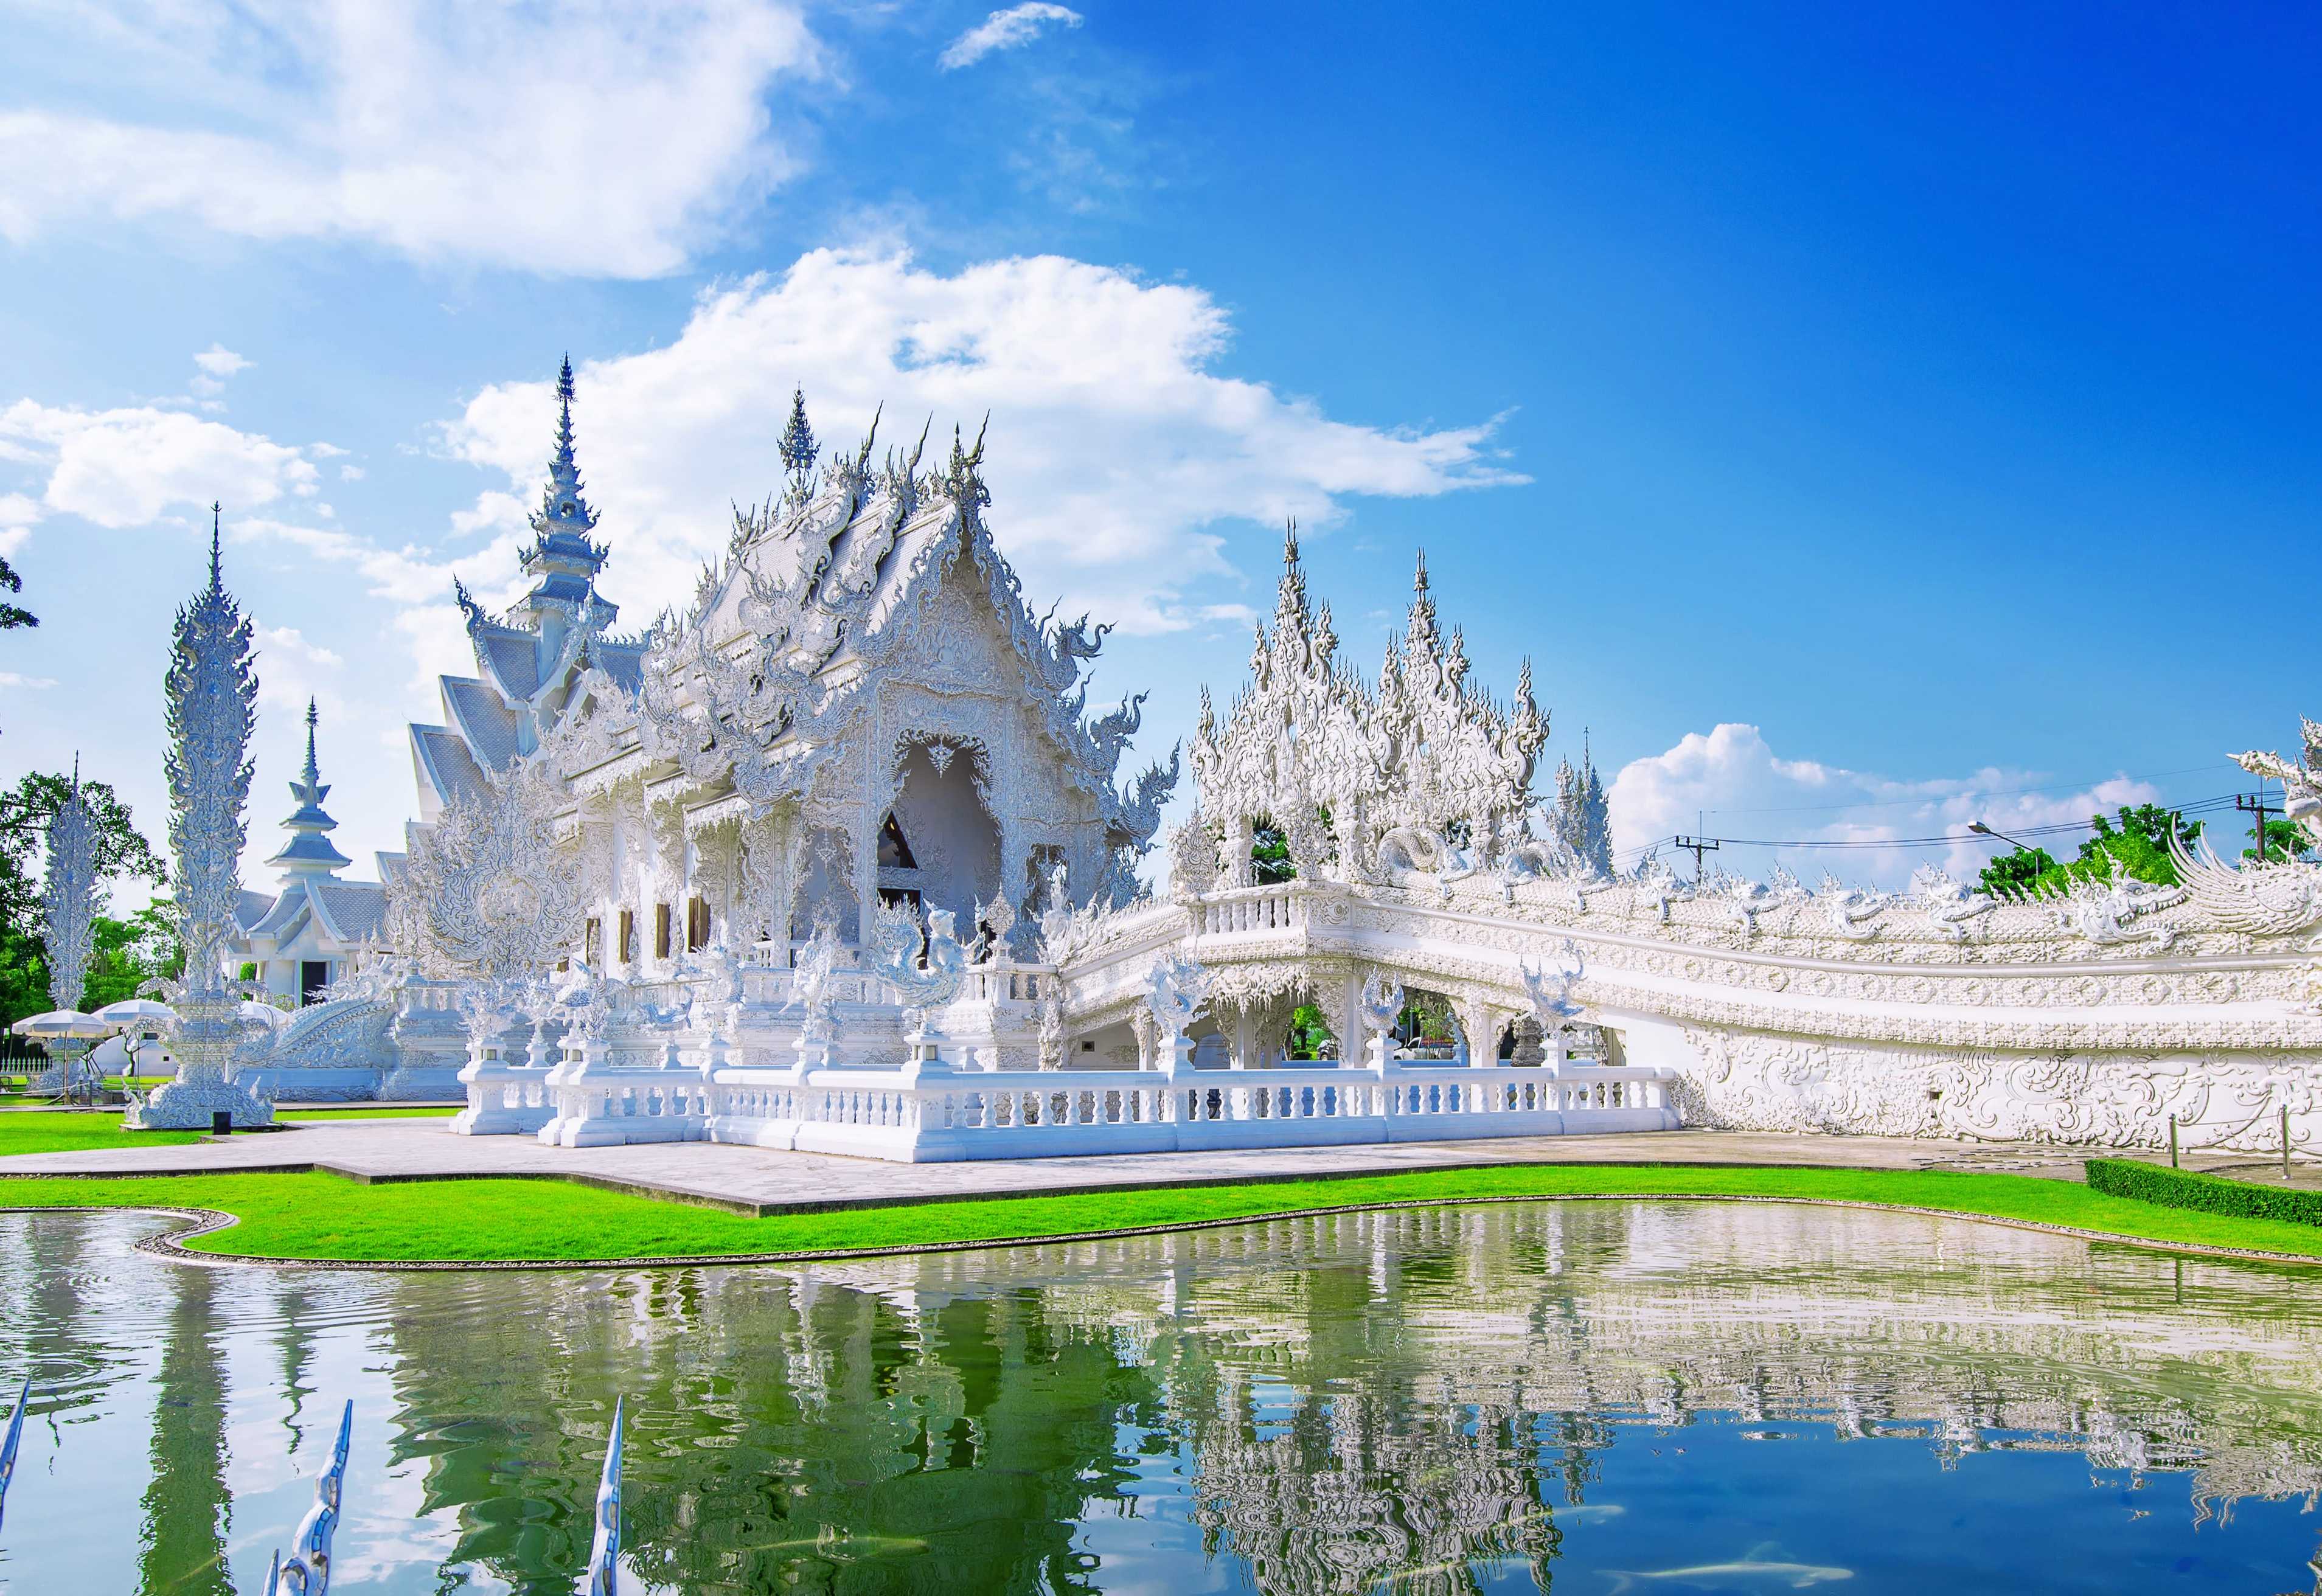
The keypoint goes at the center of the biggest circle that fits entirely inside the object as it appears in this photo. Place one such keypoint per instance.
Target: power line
(1932, 797)
(2057, 828)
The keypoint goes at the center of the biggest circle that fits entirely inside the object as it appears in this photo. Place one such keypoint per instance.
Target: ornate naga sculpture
(308, 1570)
(811, 992)
(1550, 989)
(212, 694)
(1175, 991)
(2301, 784)
(893, 955)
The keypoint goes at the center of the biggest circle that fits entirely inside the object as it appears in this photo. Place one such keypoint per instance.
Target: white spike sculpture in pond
(68, 913)
(308, 1570)
(212, 694)
(15, 1435)
(605, 1552)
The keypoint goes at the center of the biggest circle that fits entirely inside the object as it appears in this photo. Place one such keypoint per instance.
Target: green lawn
(70, 1130)
(318, 1215)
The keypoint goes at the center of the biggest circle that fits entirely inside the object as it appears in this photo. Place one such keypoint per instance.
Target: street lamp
(1980, 829)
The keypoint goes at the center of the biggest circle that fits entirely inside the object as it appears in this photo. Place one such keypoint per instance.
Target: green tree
(130, 952)
(1308, 1032)
(2284, 839)
(1269, 854)
(2135, 845)
(121, 850)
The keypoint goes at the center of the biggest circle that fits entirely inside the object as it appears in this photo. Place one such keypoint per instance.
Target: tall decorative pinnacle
(565, 520)
(310, 850)
(68, 896)
(798, 445)
(217, 579)
(211, 695)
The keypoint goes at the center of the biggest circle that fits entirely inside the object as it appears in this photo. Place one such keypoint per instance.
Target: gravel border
(202, 1222)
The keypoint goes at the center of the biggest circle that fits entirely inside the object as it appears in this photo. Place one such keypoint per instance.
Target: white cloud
(10, 678)
(124, 467)
(290, 642)
(219, 362)
(1730, 783)
(1115, 454)
(18, 510)
(1011, 28)
(584, 139)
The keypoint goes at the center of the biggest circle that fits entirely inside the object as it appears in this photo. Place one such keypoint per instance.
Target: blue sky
(1860, 415)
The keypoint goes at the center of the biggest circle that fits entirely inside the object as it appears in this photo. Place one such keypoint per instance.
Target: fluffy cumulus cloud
(1730, 782)
(589, 138)
(126, 467)
(1011, 28)
(1116, 451)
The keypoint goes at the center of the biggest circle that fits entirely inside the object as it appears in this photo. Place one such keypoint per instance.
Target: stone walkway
(761, 1181)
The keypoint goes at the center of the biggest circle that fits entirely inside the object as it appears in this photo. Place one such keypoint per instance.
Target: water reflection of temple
(1325, 1402)
(1352, 1397)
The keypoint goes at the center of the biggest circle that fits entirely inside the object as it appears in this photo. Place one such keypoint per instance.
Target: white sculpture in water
(211, 695)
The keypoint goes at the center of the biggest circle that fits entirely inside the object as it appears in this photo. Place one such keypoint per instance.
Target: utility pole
(2255, 803)
(1700, 845)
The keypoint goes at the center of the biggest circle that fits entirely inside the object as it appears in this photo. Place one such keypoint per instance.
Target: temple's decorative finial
(798, 443)
(217, 576)
(1419, 581)
(563, 524)
(564, 414)
(313, 774)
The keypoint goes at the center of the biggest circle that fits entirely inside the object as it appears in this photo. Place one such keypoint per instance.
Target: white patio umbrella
(62, 1025)
(65, 1024)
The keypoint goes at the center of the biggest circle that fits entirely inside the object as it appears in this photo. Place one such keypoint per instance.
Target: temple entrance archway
(938, 843)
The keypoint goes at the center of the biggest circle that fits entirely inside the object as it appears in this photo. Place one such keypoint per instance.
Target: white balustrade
(927, 1116)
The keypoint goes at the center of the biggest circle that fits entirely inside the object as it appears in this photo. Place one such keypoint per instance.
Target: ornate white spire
(68, 900)
(309, 852)
(211, 693)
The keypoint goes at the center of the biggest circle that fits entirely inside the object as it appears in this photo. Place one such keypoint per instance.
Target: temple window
(661, 931)
(592, 941)
(628, 943)
(894, 850)
(697, 925)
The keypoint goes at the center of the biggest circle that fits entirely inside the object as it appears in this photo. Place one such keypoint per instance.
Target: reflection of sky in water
(1629, 1396)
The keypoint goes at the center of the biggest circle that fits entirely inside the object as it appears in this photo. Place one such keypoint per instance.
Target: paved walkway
(763, 1181)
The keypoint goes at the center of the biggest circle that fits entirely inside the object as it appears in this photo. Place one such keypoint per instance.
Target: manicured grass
(320, 1215)
(67, 1130)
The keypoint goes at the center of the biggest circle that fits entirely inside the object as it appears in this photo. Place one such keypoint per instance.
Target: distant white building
(314, 931)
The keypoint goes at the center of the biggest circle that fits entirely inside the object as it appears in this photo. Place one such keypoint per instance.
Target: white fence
(923, 1114)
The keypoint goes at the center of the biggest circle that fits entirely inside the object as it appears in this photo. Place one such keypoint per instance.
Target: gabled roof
(352, 911)
(447, 772)
(483, 720)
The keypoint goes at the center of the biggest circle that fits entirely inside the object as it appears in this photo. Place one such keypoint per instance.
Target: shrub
(2208, 1194)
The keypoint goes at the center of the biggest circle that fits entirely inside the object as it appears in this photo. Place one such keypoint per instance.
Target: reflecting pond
(1620, 1397)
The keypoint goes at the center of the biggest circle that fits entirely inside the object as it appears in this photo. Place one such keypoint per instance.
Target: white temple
(837, 859)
